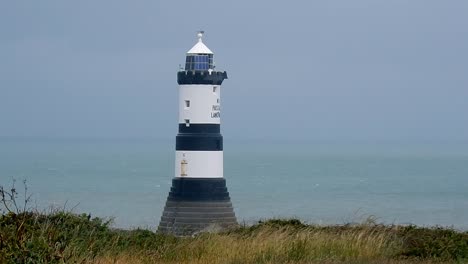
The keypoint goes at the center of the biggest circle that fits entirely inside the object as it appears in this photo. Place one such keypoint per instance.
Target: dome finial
(200, 35)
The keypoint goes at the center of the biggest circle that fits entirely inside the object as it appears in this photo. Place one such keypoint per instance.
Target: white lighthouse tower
(198, 197)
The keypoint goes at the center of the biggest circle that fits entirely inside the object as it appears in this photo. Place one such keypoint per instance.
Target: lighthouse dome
(200, 47)
(199, 57)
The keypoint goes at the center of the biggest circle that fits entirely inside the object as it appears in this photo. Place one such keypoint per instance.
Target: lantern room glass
(199, 62)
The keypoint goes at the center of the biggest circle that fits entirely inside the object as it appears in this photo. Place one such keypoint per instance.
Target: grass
(63, 237)
(28, 236)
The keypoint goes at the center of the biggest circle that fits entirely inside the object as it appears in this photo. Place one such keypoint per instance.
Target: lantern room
(199, 57)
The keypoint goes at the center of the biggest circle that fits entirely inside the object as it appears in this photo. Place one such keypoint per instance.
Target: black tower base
(197, 205)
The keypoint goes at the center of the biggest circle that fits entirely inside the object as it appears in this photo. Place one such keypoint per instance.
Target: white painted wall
(205, 105)
(200, 164)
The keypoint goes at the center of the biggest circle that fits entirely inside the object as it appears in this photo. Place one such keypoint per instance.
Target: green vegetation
(62, 237)
(27, 236)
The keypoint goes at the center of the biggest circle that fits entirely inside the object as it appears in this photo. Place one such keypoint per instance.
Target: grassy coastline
(64, 237)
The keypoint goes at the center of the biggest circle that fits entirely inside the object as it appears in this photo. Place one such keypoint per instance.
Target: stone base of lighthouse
(197, 205)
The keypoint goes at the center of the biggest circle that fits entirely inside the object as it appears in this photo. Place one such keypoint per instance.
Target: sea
(326, 183)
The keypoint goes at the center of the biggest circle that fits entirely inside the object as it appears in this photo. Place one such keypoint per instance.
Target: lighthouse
(198, 199)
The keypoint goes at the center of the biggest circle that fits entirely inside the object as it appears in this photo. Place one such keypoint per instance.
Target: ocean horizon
(320, 182)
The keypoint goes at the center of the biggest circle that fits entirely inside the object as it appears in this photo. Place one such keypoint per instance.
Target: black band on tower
(199, 142)
(201, 77)
(200, 128)
(194, 204)
(198, 189)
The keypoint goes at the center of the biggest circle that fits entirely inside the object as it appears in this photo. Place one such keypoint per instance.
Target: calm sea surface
(324, 183)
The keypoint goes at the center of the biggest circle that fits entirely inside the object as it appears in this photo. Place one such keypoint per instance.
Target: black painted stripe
(200, 128)
(198, 189)
(201, 77)
(198, 184)
(201, 142)
(195, 203)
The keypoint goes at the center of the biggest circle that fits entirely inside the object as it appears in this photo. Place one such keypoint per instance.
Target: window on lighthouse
(187, 122)
(187, 103)
(199, 62)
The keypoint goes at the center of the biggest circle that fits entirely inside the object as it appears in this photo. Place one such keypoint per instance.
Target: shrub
(437, 242)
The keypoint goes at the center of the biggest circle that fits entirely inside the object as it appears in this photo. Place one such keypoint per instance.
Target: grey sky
(324, 70)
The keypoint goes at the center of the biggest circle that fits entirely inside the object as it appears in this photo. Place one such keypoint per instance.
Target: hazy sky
(318, 70)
